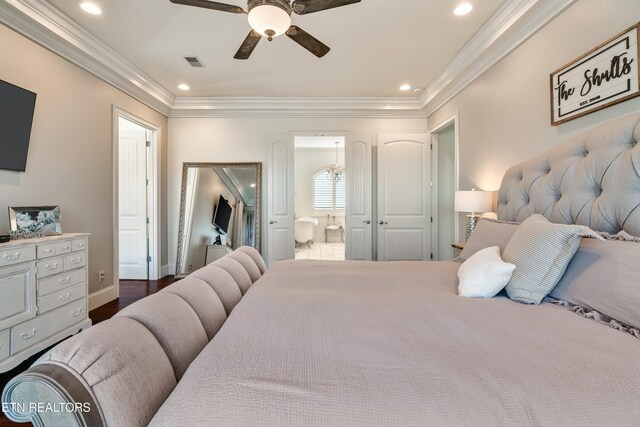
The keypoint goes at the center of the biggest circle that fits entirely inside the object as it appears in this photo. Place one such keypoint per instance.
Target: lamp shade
(473, 201)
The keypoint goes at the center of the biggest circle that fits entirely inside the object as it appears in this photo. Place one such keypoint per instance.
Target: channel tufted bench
(120, 371)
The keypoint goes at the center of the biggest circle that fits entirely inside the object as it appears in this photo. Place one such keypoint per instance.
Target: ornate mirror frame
(183, 196)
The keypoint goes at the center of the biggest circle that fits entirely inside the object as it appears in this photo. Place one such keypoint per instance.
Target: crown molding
(46, 25)
(296, 107)
(513, 24)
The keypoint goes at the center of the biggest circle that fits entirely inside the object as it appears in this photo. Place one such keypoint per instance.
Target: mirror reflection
(219, 212)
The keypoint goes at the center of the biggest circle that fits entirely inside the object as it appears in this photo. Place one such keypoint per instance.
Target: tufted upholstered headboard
(591, 180)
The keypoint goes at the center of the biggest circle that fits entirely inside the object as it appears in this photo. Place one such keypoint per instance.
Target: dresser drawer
(79, 244)
(17, 255)
(61, 281)
(75, 260)
(50, 266)
(62, 297)
(4, 344)
(46, 251)
(35, 330)
(17, 294)
(63, 247)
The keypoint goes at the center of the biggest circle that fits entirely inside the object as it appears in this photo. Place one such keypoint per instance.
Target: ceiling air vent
(194, 61)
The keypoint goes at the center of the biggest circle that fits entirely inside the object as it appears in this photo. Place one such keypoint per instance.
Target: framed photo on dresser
(35, 219)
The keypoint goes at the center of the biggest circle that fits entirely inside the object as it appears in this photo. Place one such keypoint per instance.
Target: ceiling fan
(271, 18)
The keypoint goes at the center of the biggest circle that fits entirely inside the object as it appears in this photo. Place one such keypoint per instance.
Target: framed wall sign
(598, 79)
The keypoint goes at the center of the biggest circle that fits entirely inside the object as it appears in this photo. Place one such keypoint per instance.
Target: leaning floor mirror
(219, 212)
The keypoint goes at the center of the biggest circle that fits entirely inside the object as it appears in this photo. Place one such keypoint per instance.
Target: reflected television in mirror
(219, 212)
(222, 215)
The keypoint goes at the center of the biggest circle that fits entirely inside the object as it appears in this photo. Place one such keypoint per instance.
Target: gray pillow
(541, 252)
(488, 233)
(603, 276)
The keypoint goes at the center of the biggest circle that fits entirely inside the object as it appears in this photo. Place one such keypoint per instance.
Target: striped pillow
(541, 252)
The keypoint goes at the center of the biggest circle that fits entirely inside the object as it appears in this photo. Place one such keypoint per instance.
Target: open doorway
(319, 197)
(444, 138)
(136, 176)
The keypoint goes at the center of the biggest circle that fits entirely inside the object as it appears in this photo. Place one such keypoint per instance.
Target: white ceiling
(242, 178)
(376, 46)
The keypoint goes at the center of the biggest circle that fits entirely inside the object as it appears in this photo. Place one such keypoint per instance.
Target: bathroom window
(328, 194)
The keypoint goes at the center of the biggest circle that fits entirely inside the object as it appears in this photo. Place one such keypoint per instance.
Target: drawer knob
(65, 281)
(64, 297)
(64, 248)
(81, 245)
(13, 257)
(48, 251)
(52, 267)
(27, 336)
(77, 312)
(76, 260)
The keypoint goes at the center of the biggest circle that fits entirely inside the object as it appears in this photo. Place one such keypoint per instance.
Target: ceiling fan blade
(223, 7)
(307, 41)
(303, 7)
(248, 45)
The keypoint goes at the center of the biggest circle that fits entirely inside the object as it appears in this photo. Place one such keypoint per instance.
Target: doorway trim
(453, 118)
(154, 214)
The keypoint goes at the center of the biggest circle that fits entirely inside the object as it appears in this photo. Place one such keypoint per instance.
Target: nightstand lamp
(473, 201)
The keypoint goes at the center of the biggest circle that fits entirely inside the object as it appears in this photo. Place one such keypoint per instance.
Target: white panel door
(359, 221)
(132, 170)
(280, 210)
(404, 197)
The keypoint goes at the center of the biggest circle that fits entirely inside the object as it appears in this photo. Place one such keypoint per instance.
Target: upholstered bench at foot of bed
(120, 371)
(232, 276)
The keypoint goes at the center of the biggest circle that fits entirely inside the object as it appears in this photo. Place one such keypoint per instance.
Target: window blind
(328, 195)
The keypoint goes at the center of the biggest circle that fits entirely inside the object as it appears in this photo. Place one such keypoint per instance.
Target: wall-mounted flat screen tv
(222, 215)
(17, 106)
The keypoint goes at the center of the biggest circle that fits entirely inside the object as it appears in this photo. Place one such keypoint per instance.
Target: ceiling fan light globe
(266, 17)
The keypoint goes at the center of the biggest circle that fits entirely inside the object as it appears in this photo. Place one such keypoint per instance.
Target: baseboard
(167, 270)
(102, 297)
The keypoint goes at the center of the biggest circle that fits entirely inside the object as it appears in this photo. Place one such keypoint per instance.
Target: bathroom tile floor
(332, 251)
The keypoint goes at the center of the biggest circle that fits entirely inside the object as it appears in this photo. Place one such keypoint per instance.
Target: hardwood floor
(130, 292)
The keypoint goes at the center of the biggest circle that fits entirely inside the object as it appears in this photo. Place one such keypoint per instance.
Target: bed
(393, 344)
(364, 343)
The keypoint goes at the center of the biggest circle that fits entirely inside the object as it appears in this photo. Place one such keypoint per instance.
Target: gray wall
(504, 114)
(70, 155)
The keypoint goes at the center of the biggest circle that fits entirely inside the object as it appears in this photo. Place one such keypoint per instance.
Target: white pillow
(484, 274)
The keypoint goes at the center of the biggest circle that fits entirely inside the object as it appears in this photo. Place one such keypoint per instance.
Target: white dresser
(43, 294)
(215, 252)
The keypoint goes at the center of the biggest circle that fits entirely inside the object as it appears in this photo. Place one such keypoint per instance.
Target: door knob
(273, 222)
(367, 222)
(382, 222)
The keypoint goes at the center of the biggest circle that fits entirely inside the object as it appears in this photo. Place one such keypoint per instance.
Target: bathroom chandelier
(335, 171)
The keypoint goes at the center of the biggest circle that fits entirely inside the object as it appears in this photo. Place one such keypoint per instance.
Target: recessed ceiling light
(91, 8)
(405, 87)
(463, 9)
(183, 86)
